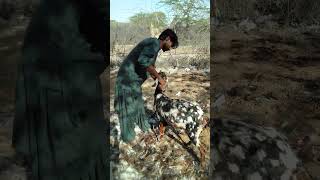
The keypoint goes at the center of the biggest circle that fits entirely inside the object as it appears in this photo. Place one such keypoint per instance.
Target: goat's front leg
(161, 130)
(205, 121)
(202, 150)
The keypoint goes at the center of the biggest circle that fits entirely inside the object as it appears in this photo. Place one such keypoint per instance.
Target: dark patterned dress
(128, 103)
(59, 125)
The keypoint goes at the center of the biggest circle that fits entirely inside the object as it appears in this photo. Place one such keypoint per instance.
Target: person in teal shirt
(135, 69)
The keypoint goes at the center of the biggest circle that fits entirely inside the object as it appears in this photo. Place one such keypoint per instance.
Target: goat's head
(164, 77)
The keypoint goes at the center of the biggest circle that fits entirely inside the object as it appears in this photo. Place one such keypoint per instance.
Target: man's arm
(153, 72)
(153, 77)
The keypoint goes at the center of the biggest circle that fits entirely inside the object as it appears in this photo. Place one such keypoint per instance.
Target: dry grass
(271, 79)
(169, 159)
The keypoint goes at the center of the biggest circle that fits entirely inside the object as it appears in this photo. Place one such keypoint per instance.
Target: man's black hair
(172, 35)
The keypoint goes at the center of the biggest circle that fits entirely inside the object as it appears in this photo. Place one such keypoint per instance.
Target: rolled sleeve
(147, 56)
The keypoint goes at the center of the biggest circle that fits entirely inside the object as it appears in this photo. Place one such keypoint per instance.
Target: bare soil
(172, 158)
(166, 158)
(268, 78)
(271, 78)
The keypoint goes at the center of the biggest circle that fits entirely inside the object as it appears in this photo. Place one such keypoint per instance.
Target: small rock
(262, 100)
(289, 160)
(271, 132)
(247, 25)
(270, 96)
(217, 177)
(281, 145)
(284, 124)
(260, 137)
(254, 176)
(219, 102)
(252, 88)
(286, 175)
(271, 25)
(233, 168)
(168, 171)
(274, 162)
(237, 151)
(246, 140)
(263, 19)
(263, 170)
(206, 71)
(261, 155)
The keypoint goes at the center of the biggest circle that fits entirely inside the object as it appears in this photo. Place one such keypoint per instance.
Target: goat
(181, 115)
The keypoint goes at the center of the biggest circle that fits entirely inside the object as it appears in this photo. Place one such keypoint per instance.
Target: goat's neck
(157, 91)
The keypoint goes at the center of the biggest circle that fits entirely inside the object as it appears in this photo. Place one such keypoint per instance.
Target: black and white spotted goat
(183, 116)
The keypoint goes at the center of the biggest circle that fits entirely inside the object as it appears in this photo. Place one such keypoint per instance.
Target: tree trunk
(213, 8)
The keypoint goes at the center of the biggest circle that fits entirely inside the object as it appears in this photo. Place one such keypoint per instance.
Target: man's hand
(152, 75)
(162, 84)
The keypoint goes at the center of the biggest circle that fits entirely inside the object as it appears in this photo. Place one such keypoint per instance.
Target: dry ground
(165, 159)
(271, 78)
(192, 87)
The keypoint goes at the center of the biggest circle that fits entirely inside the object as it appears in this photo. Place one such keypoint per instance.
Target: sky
(121, 10)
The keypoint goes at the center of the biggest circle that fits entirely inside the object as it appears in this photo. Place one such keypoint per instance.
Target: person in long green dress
(59, 126)
(134, 70)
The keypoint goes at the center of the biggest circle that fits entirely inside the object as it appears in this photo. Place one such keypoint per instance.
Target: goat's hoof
(202, 164)
(202, 156)
(202, 160)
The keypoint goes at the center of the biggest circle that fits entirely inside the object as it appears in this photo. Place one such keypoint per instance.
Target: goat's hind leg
(202, 150)
(161, 129)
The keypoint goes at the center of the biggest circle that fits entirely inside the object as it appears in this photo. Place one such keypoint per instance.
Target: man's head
(169, 40)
